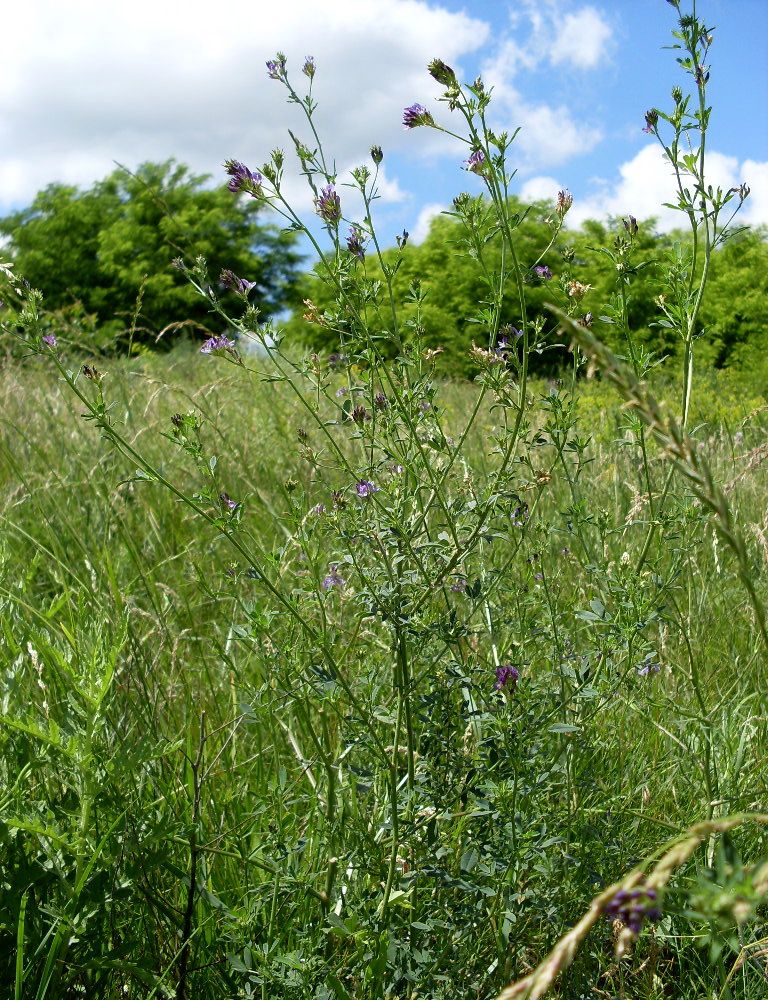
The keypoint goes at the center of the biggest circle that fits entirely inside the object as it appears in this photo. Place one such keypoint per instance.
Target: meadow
(327, 676)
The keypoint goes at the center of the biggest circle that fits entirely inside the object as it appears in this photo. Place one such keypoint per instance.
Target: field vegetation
(332, 673)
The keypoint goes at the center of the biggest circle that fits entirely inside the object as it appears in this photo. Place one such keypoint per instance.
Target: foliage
(108, 251)
(372, 689)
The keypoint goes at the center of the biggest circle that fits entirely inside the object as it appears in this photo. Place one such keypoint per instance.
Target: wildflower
(355, 242)
(318, 509)
(576, 290)
(237, 285)
(380, 401)
(586, 321)
(459, 586)
(651, 120)
(276, 67)
(217, 345)
(738, 437)
(543, 272)
(564, 202)
(630, 225)
(424, 406)
(335, 360)
(227, 502)
(328, 205)
(243, 179)
(341, 392)
(339, 503)
(417, 115)
(93, 374)
(360, 415)
(334, 579)
(506, 675)
(365, 488)
(442, 73)
(397, 469)
(49, 339)
(476, 163)
(634, 906)
(377, 154)
(309, 68)
(302, 435)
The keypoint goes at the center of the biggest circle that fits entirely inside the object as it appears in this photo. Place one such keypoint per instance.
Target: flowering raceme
(417, 115)
(328, 205)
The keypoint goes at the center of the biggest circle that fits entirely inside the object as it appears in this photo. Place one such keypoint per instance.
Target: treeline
(103, 259)
(450, 291)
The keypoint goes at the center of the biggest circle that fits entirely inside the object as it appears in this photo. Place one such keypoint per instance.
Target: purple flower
(328, 205)
(564, 202)
(365, 488)
(380, 401)
(318, 509)
(543, 272)
(309, 68)
(651, 120)
(341, 392)
(237, 285)
(634, 906)
(476, 163)
(227, 502)
(417, 115)
(217, 345)
(49, 339)
(355, 242)
(459, 586)
(276, 67)
(243, 179)
(630, 225)
(339, 503)
(360, 415)
(333, 579)
(506, 675)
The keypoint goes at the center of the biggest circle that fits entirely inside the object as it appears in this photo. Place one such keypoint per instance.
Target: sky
(88, 84)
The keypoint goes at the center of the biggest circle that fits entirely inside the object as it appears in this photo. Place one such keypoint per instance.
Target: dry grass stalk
(538, 982)
(675, 444)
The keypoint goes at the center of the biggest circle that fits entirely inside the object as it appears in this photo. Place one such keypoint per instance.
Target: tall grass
(325, 678)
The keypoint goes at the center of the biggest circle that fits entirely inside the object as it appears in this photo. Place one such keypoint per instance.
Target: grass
(194, 805)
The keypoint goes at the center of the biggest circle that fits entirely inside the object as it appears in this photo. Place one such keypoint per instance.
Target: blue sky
(89, 83)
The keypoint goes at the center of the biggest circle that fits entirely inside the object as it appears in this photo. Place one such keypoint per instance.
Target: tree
(113, 244)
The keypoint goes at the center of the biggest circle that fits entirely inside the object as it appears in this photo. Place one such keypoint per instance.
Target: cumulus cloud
(146, 81)
(426, 215)
(646, 182)
(543, 34)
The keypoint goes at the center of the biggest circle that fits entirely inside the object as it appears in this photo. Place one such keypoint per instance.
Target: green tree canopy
(103, 246)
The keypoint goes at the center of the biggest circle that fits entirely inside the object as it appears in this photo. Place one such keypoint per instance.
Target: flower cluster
(328, 205)
(309, 68)
(564, 202)
(276, 67)
(543, 272)
(334, 579)
(506, 675)
(634, 906)
(217, 345)
(237, 285)
(355, 242)
(417, 115)
(365, 489)
(476, 163)
(243, 179)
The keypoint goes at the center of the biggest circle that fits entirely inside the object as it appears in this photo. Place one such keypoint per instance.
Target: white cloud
(426, 215)
(647, 181)
(157, 78)
(550, 134)
(582, 39)
(540, 189)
